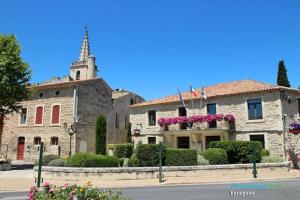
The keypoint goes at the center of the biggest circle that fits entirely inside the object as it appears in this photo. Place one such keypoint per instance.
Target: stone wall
(94, 99)
(205, 172)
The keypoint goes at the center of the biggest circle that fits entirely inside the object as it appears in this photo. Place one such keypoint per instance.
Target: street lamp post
(70, 130)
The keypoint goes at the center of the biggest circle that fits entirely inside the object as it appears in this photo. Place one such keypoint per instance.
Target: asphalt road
(274, 190)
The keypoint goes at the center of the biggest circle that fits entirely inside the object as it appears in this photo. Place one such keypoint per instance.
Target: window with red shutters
(55, 114)
(39, 115)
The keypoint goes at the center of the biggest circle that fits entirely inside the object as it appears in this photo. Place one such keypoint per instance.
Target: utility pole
(254, 171)
(160, 175)
(40, 165)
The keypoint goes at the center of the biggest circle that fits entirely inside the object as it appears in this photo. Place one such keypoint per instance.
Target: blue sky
(151, 47)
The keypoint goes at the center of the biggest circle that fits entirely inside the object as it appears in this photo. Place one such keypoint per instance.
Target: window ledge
(38, 125)
(256, 121)
(55, 125)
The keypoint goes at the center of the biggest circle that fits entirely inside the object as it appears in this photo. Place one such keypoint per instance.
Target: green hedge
(123, 150)
(265, 152)
(239, 151)
(46, 159)
(148, 155)
(180, 157)
(92, 160)
(215, 156)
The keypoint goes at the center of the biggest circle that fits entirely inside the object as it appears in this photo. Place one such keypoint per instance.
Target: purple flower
(295, 126)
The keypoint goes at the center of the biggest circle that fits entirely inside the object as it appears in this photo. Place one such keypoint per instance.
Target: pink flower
(45, 184)
(66, 185)
(51, 190)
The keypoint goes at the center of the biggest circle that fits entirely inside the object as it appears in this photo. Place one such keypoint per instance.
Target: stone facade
(271, 126)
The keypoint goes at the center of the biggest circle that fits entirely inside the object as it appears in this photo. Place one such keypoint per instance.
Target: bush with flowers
(196, 119)
(72, 192)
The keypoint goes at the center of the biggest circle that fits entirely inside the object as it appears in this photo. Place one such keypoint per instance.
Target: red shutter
(39, 115)
(55, 114)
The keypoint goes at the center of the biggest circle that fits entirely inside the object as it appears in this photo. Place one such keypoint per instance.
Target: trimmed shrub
(148, 155)
(92, 160)
(101, 135)
(180, 157)
(264, 152)
(57, 163)
(271, 159)
(133, 162)
(239, 151)
(123, 150)
(201, 160)
(215, 156)
(46, 159)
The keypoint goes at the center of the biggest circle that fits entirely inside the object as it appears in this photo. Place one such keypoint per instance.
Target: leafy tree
(128, 131)
(14, 76)
(101, 135)
(282, 78)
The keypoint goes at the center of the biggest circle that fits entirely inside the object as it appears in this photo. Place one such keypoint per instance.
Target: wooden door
(21, 145)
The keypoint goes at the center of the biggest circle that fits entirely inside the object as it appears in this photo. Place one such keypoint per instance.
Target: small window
(39, 115)
(151, 140)
(254, 109)
(117, 121)
(260, 138)
(183, 142)
(212, 109)
(299, 106)
(54, 141)
(41, 94)
(37, 140)
(57, 93)
(55, 114)
(152, 118)
(131, 101)
(78, 75)
(23, 116)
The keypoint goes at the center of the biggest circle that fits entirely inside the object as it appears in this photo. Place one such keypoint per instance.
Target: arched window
(78, 75)
(39, 115)
(55, 114)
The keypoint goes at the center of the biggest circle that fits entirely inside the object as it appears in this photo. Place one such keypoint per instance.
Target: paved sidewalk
(22, 180)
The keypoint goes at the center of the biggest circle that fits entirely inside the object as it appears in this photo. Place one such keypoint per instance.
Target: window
(55, 114)
(152, 118)
(23, 116)
(182, 113)
(37, 140)
(57, 93)
(131, 101)
(41, 94)
(299, 106)
(212, 109)
(78, 75)
(117, 121)
(183, 142)
(260, 138)
(54, 141)
(151, 140)
(39, 115)
(254, 109)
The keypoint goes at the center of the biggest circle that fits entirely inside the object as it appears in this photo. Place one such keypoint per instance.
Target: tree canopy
(14, 76)
(282, 78)
(101, 135)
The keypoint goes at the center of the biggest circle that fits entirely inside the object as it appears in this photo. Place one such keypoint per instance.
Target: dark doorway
(182, 113)
(183, 142)
(21, 143)
(209, 139)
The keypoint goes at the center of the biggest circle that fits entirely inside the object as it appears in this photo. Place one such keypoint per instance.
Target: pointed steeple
(85, 48)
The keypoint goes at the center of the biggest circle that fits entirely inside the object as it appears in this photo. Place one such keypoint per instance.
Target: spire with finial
(85, 48)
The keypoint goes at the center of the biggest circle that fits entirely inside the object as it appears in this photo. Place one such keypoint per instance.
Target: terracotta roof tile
(222, 89)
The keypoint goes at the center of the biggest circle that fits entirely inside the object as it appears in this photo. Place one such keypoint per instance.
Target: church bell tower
(85, 68)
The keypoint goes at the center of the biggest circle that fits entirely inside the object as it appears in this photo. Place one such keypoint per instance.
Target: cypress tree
(282, 78)
(128, 131)
(101, 135)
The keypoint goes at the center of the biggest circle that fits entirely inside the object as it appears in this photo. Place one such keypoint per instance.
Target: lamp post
(70, 130)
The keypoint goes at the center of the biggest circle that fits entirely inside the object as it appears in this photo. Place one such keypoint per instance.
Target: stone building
(77, 99)
(262, 113)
